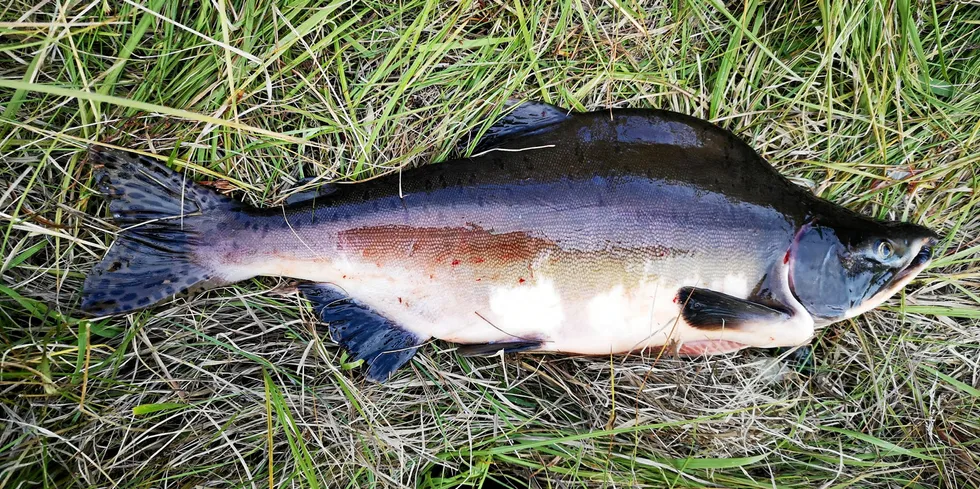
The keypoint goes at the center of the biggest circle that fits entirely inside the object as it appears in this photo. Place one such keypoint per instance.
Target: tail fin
(163, 217)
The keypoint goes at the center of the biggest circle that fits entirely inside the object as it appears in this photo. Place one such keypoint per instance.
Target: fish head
(838, 270)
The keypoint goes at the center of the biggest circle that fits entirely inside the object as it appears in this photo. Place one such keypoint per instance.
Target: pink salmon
(593, 233)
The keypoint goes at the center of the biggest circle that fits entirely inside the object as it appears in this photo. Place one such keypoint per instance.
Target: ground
(873, 104)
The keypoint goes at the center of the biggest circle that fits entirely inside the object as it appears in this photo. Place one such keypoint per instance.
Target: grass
(873, 104)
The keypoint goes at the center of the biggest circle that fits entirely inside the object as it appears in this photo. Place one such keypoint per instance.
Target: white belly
(598, 322)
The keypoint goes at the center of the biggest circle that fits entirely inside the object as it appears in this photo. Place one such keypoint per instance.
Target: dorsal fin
(524, 118)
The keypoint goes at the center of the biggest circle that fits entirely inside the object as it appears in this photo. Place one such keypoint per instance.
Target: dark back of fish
(654, 191)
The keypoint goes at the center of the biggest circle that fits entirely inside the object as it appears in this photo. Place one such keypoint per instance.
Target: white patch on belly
(617, 320)
(566, 318)
(607, 311)
(528, 309)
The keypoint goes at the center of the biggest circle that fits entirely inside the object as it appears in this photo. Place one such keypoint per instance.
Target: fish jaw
(923, 257)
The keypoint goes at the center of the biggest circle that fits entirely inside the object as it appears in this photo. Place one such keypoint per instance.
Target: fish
(592, 233)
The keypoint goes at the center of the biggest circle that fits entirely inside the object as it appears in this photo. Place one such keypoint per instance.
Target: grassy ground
(873, 104)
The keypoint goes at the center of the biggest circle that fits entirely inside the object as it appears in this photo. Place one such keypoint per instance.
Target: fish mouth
(922, 247)
(921, 260)
(919, 263)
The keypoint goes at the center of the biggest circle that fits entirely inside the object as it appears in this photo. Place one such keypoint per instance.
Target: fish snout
(924, 254)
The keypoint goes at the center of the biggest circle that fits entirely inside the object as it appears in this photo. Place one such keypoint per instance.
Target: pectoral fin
(710, 310)
(383, 345)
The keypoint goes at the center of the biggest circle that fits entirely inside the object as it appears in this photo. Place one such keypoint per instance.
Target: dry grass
(873, 104)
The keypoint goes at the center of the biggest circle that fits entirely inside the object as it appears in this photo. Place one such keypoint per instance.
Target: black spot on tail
(164, 217)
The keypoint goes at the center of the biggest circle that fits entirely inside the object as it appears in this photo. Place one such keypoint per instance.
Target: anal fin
(711, 310)
(487, 349)
(367, 335)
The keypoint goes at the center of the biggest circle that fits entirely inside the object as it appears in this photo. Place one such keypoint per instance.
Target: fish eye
(883, 249)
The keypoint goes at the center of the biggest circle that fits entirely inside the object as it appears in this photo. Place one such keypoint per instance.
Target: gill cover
(835, 271)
